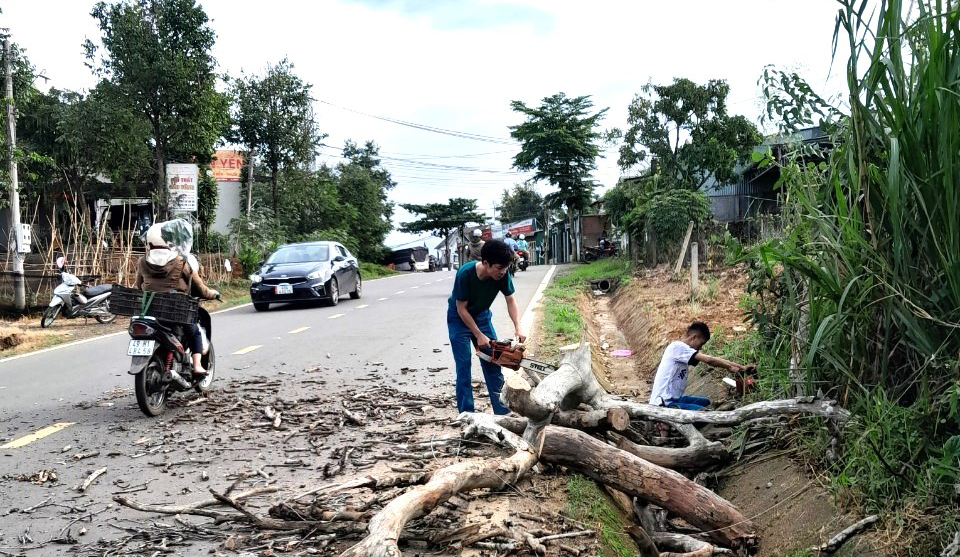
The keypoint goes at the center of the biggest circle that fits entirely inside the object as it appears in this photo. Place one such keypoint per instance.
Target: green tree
(441, 219)
(684, 132)
(559, 141)
(156, 55)
(363, 184)
(522, 202)
(273, 117)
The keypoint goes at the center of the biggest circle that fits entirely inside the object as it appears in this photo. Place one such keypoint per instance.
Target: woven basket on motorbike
(169, 307)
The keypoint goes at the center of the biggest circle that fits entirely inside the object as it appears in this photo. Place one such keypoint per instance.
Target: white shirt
(671, 378)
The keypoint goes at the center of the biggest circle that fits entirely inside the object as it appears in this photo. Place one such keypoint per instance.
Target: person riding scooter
(162, 269)
(523, 247)
(476, 244)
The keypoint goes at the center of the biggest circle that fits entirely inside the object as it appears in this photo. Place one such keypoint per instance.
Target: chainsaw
(509, 354)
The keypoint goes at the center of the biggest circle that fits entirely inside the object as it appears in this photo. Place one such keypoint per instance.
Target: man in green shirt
(470, 322)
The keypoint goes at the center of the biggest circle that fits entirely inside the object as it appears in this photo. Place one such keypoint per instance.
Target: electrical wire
(423, 127)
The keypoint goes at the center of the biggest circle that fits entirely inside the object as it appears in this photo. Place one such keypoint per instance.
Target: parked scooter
(72, 301)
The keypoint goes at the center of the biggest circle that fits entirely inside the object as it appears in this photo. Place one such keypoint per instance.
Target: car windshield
(299, 254)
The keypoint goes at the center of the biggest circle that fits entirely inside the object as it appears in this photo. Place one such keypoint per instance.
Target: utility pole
(249, 181)
(19, 292)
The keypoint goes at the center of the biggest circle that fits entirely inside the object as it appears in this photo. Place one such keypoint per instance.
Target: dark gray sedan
(311, 271)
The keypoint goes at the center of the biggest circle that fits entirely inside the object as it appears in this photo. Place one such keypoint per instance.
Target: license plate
(283, 289)
(141, 347)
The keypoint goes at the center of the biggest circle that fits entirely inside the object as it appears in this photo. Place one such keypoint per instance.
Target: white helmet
(522, 237)
(477, 232)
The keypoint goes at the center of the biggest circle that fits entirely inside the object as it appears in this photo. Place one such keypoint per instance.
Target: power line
(423, 127)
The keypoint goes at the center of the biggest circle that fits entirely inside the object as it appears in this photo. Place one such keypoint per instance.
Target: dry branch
(834, 543)
(384, 528)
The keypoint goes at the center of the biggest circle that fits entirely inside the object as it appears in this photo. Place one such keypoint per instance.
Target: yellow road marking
(335, 316)
(298, 330)
(26, 439)
(363, 306)
(247, 350)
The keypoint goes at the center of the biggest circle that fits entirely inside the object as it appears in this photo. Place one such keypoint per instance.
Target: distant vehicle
(433, 264)
(310, 271)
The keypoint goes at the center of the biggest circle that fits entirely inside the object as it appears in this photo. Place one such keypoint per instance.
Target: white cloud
(459, 68)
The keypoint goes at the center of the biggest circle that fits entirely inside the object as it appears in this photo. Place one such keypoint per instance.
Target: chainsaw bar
(534, 365)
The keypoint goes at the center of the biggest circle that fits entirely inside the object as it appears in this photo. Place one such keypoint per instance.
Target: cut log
(616, 419)
(636, 477)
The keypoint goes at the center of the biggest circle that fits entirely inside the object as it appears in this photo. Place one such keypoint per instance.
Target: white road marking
(336, 316)
(361, 306)
(382, 299)
(412, 287)
(27, 439)
(526, 320)
(247, 350)
(401, 292)
(298, 330)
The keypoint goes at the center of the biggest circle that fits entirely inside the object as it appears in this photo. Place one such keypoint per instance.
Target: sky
(458, 65)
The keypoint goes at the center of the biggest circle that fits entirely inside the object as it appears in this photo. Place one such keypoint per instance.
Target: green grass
(373, 270)
(562, 323)
(588, 504)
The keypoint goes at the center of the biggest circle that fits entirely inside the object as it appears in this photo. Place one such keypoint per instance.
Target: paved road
(399, 322)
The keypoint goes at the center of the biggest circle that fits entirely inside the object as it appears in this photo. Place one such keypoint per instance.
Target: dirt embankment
(790, 506)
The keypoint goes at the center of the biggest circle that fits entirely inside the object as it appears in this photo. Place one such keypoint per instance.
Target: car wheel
(334, 289)
(260, 306)
(359, 291)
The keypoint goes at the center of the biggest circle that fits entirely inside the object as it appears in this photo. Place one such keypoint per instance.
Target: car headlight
(256, 279)
(315, 275)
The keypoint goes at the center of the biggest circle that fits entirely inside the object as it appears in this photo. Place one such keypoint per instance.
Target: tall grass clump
(868, 278)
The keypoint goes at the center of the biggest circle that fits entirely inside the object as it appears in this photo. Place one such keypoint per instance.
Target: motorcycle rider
(523, 248)
(476, 244)
(163, 270)
(511, 243)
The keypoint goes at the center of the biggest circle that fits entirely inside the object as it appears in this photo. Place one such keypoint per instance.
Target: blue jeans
(462, 343)
(689, 403)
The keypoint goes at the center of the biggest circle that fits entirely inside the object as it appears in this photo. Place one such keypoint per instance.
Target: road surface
(80, 396)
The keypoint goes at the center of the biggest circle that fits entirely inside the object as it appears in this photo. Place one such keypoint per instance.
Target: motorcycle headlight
(256, 279)
(315, 275)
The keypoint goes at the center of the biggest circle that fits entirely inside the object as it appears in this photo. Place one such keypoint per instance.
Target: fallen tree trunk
(635, 476)
(616, 419)
(679, 545)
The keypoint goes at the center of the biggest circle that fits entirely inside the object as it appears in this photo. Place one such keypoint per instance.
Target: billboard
(182, 187)
(227, 166)
(527, 227)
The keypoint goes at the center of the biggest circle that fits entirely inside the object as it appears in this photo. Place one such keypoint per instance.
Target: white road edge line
(526, 320)
(92, 339)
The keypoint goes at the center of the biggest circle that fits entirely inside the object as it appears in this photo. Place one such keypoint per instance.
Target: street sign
(24, 238)
(182, 187)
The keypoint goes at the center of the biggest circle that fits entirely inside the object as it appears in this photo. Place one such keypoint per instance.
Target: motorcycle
(72, 302)
(594, 253)
(522, 260)
(160, 358)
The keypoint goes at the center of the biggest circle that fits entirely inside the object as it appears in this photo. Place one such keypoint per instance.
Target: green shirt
(479, 294)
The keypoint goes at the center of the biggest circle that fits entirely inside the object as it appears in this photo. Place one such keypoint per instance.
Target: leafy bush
(669, 212)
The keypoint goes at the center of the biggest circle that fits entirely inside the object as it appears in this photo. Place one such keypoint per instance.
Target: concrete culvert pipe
(603, 285)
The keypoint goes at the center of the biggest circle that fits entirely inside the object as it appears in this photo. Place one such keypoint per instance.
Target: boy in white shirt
(671, 378)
